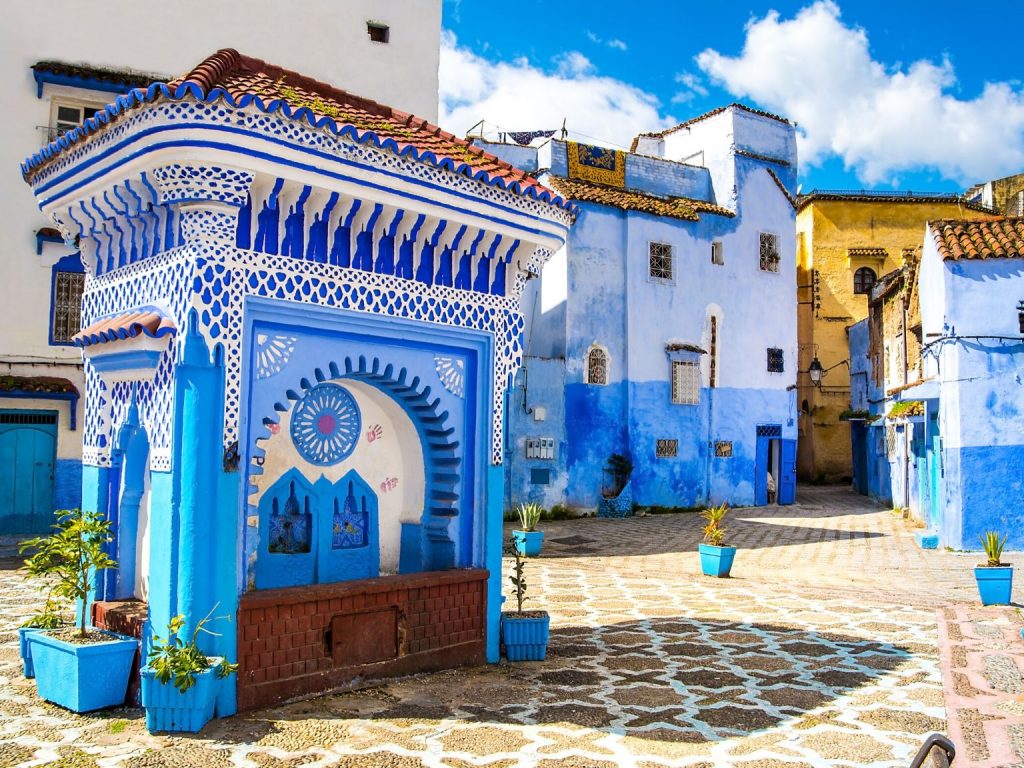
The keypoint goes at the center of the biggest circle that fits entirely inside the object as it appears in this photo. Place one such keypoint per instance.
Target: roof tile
(629, 200)
(998, 238)
(144, 322)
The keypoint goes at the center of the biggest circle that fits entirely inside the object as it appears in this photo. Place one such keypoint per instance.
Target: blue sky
(909, 94)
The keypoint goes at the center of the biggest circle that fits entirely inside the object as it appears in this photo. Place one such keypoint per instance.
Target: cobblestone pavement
(812, 656)
(982, 658)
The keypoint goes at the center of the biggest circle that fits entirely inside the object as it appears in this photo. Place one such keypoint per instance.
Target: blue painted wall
(67, 484)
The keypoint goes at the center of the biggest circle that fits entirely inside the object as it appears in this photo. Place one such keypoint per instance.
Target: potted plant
(524, 633)
(995, 580)
(48, 618)
(179, 681)
(87, 668)
(528, 541)
(715, 558)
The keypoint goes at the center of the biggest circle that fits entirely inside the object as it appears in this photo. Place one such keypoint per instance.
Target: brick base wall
(126, 617)
(299, 641)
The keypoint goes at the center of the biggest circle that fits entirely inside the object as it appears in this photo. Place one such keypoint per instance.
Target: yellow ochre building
(845, 242)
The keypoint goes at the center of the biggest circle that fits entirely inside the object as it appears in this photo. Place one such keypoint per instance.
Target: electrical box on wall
(540, 448)
(540, 413)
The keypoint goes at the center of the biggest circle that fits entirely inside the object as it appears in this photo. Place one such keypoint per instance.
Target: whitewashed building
(58, 74)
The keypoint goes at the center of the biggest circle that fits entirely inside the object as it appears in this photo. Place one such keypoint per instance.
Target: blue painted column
(492, 558)
(95, 482)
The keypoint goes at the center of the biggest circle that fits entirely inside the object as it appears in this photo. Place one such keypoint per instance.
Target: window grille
(540, 476)
(685, 382)
(666, 448)
(713, 361)
(864, 280)
(769, 252)
(540, 448)
(775, 361)
(769, 430)
(597, 366)
(65, 117)
(723, 449)
(660, 262)
(67, 305)
(43, 417)
(717, 253)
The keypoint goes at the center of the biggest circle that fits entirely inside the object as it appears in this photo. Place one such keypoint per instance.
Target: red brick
(259, 675)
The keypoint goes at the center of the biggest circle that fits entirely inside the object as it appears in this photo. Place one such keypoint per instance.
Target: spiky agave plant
(714, 531)
(993, 547)
(529, 516)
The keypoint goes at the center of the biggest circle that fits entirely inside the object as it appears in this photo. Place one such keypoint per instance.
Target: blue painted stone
(927, 539)
(716, 561)
(994, 584)
(82, 678)
(620, 506)
(525, 637)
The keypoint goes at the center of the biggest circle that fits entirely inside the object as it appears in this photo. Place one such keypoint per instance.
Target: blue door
(766, 434)
(787, 471)
(28, 446)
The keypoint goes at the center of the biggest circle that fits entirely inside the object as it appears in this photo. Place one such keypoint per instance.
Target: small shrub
(714, 531)
(529, 515)
(518, 579)
(993, 547)
(182, 661)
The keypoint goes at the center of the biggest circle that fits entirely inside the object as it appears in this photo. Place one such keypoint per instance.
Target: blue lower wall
(985, 492)
(67, 484)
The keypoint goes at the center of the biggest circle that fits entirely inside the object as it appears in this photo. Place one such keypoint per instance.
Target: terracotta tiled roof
(243, 80)
(129, 78)
(41, 384)
(629, 200)
(130, 324)
(888, 196)
(717, 111)
(999, 238)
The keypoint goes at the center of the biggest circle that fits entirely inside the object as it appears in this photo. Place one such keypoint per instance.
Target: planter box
(26, 650)
(716, 561)
(995, 584)
(82, 677)
(528, 543)
(525, 637)
(167, 709)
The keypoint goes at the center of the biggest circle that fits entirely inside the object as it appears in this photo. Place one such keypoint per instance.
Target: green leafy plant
(993, 547)
(714, 531)
(529, 515)
(47, 618)
(518, 580)
(173, 659)
(71, 555)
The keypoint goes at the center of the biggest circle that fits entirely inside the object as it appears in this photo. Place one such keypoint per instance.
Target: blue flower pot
(716, 561)
(525, 637)
(26, 650)
(994, 584)
(168, 709)
(528, 543)
(82, 677)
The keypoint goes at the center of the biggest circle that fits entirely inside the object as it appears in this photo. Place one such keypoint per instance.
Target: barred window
(660, 261)
(769, 252)
(863, 280)
(713, 356)
(685, 382)
(666, 448)
(775, 361)
(597, 366)
(723, 449)
(67, 306)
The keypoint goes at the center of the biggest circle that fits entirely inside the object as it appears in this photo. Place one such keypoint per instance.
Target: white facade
(327, 39)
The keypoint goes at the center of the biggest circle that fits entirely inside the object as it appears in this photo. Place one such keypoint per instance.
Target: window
(660, 262)
(540, 448)
(540, 476)
(723, 449)
(717, 253)
(379, 33)
(597, 366)
(863, 280)
(713, 356)
(66, 116)
(66, 320)
(666, 448)
(769, 252)
(685, 382)
(775, 362)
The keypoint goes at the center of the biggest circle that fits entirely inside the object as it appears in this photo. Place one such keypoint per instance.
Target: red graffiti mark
(374, 433)
(389, 484)
(274, 428)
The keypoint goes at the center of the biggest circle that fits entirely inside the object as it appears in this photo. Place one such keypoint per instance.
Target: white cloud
(615, 43)
(618, 44)
(818, 71)
(693, 87)
(518, 96)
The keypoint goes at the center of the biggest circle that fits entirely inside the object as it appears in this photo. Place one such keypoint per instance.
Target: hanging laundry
(525, 137)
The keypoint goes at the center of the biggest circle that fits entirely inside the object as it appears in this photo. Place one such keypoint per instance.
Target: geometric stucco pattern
(649, 665)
